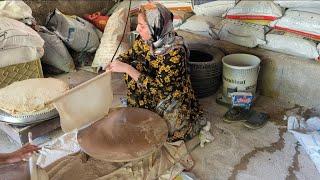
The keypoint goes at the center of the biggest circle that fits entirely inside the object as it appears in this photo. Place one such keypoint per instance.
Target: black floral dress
(162, 77)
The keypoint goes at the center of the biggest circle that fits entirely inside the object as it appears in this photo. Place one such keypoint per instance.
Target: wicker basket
(18, 72)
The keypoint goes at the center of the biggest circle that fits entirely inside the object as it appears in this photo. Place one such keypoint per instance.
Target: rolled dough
(29, 96)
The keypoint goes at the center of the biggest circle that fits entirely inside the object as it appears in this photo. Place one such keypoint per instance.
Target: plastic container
(240, 73)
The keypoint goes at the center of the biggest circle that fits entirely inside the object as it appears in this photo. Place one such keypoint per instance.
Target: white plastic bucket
(240, 73)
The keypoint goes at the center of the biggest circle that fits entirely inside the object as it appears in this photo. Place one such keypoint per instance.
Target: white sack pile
(18, 43)
(241, 33)
(203, 25)
(292, 44)
(212, 7)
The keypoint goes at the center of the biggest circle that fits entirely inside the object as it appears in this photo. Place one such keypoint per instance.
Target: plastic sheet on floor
(58, 148)
(307, 132)
(61, 159)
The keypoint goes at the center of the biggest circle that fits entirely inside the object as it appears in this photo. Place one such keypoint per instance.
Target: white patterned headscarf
(160, 23)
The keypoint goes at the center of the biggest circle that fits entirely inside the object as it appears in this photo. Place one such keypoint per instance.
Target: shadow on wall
(40, 9)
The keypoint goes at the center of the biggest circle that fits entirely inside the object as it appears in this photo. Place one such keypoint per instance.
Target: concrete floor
(236, 152)
(240, 153)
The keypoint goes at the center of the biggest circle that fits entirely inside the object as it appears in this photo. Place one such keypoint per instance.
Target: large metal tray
(28, 119)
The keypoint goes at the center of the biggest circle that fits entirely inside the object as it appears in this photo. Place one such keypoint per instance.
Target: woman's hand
(23, 153)
(117, 66)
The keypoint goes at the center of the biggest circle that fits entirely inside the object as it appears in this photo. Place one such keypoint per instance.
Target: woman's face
(143, 28)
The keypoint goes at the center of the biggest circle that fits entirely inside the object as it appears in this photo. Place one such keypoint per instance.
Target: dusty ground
(236, 152)
(240, 153)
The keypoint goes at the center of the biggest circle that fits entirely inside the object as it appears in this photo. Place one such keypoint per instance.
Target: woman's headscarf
(160, 23)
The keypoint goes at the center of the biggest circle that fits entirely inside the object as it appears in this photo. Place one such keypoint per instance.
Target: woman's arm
(118, 66)
(122, 63)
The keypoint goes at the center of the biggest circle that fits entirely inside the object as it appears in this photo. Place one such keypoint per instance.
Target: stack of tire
(205, 69)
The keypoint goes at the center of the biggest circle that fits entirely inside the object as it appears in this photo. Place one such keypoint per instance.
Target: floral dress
(164, 77)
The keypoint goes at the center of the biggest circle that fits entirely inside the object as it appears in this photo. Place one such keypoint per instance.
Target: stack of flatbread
(29, 97)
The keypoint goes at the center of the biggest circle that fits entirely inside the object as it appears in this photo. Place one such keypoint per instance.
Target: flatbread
(29, 96)
(86, 103)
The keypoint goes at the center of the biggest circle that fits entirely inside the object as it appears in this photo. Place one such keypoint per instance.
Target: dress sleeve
(129, 56)
(126, 57)
(170, 75)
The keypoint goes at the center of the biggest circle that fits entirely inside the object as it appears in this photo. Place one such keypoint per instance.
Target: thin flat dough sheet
(86, 104)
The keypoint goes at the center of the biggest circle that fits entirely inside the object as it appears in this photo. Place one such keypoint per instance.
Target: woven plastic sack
(307, 9)
(203, 25)
(318, 47)
(255, 10)
(111, 38)
(179, 17)
(77, 33)
(173, 5)
(298, 3)
(15, 9)
(16, 34)
(302, 23)
(241, 33)
(18, 43)
(20, 55)
(292, 44)
(212, 7)
(176, 5)
(56, 54)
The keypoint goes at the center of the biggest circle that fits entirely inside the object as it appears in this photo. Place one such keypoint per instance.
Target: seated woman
(156, 73)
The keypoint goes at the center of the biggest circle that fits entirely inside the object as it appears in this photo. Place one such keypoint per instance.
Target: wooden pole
(32, 163)
(77, 87)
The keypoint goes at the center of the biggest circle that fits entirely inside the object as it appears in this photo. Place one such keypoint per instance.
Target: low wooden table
(20, 133)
